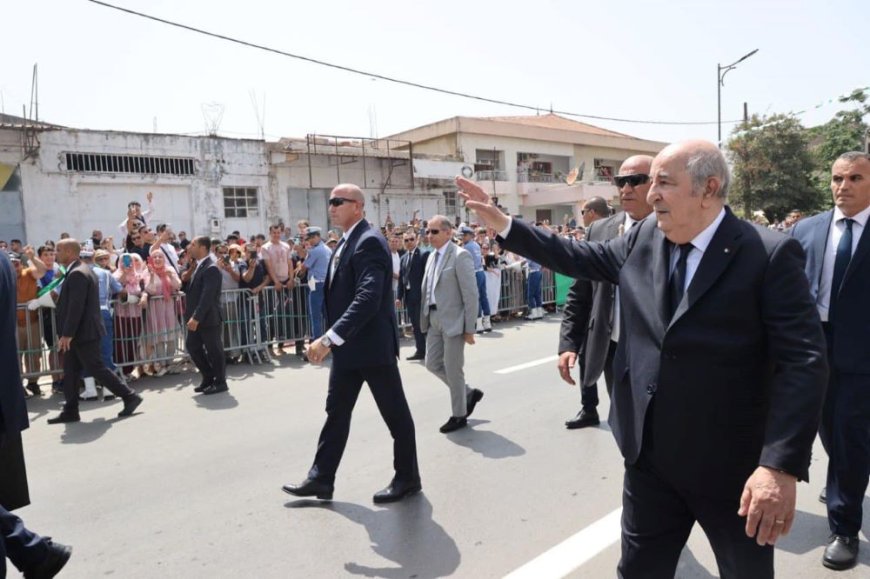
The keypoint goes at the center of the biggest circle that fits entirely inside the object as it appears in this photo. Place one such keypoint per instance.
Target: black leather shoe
(57, 557)
(823, 496)
(64, 417)
(310, 488)
(453, 424)
(841, 553)
(474, 397)
(416, 356)
(206, 382)
(131, 403)
(216, 388)
(34, 389)
(397, 491)
(583, 419)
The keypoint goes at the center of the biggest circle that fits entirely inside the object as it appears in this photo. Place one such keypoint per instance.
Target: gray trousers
(445, 357)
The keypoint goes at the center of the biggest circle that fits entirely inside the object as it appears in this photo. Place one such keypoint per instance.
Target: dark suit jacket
(411, 273)
(202, 301)
(596, 316)
(359, 301)
(851, 321)
(737, 375)
(13, 410)
(78, 309)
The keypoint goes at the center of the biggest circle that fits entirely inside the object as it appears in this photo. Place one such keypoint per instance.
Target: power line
(396, 80)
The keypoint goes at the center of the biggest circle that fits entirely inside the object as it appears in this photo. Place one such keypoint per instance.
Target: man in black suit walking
(838, 269)
(410, 281)
(363, 339)
(33, 555)
(202, 314)
(602, 333)
(719, 372)
(80, 327)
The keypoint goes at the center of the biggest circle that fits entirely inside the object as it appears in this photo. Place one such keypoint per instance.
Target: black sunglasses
(633, 180)
(339, 201)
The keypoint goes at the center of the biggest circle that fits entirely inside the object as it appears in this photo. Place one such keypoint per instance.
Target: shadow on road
(85, 432)
(484, 442)
(222, 401)
(689, 568)
(811, 531)
(404, 533)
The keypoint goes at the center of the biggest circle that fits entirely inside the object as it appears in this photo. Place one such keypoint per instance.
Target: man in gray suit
(602, 334)
(448, 317)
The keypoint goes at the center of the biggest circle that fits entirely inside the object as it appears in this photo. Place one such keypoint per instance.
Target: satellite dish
(572, 176)
(467, 171)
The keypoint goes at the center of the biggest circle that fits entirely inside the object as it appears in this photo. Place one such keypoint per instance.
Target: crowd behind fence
(151, 336)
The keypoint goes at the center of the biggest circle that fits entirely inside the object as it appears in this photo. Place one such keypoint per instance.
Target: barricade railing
(150, 334)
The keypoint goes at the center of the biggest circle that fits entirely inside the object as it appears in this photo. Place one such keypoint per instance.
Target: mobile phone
(226, 259)
(127, 261)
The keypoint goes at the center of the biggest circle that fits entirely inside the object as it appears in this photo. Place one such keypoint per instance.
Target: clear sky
(655, 60)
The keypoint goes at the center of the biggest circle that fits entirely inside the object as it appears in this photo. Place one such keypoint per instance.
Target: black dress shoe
(206, 382)
(823, 496)
(54, 561)
(417, 356)
(310, 488)
(474, 397)
(34, 389)
(216, 388)
(453, 424)
(131, 403)
(397, 491)
(583, 419)
(64, 417)
(841, 553)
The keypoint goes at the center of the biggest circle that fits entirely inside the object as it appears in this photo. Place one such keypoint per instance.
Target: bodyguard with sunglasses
(362, 336)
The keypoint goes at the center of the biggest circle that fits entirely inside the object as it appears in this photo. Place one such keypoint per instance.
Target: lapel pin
(727, 250)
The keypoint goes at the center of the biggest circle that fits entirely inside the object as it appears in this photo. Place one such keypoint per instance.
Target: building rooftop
(554, 121)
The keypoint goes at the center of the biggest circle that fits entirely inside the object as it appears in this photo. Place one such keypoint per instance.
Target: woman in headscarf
(131, 273)
(162, 325)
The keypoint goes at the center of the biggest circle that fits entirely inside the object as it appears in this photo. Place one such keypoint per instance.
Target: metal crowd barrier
(153, 335)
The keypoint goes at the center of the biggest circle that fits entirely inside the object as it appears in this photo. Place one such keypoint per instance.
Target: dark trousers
(658, 517)
(482, 297)
(845, 434)
(414, 313)
(385, 384)
(24, 548)
(206, 349)
(87, 357)
(589, 394)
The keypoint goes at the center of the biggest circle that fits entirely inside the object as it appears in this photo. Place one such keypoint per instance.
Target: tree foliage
(845, 132)
(773, 167)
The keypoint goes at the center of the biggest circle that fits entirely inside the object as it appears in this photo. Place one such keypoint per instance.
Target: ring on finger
(778, 522)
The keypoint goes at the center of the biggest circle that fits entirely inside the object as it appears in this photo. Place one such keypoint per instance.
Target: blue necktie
(841, 263)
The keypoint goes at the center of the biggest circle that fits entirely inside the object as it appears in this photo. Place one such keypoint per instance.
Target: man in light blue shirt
(483, 320)
(316, 264)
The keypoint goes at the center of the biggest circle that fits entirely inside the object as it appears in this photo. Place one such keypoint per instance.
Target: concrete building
(539, 166)
(75, 181)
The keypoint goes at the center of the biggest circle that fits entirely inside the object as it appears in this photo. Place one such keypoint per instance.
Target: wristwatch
(326, 341)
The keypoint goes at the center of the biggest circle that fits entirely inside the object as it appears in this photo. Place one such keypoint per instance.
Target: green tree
(845, 132)
(772, 167)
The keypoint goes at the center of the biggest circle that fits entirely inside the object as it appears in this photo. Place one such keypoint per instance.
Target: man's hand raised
(480, 202)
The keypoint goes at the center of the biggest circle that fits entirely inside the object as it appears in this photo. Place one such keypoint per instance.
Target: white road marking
(531, 364)
(574, 551)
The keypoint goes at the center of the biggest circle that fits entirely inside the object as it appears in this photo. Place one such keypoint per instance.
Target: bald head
(346, 205)
(350, 191)
(704, 161)
(633, 182)
(67, 250)
(443, 231)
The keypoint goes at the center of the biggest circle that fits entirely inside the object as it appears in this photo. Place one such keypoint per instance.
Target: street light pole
(721, 71)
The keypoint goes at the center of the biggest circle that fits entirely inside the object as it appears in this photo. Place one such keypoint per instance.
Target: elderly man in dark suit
(202, 314)
(602, 335)
(364, 342)
(80, 327)
(33, 555)
(838, 269)
(719, 372)
(410, 281)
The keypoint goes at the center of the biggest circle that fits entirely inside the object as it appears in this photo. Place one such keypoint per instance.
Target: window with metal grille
(450, 203)
(135, 164)
(241, 202)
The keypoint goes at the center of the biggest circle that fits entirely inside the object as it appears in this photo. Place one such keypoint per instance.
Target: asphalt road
(191, 485)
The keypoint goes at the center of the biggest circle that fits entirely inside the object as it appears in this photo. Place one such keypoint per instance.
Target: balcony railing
(491, 176)
(536, 177)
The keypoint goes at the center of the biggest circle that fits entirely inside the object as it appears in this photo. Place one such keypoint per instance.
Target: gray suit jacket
(455, 292)
(603, 297)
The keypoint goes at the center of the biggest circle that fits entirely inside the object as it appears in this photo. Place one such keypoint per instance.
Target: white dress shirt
(335, 338)
(699, 247)
(435, 271)
(614, 335)
(838, 226)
